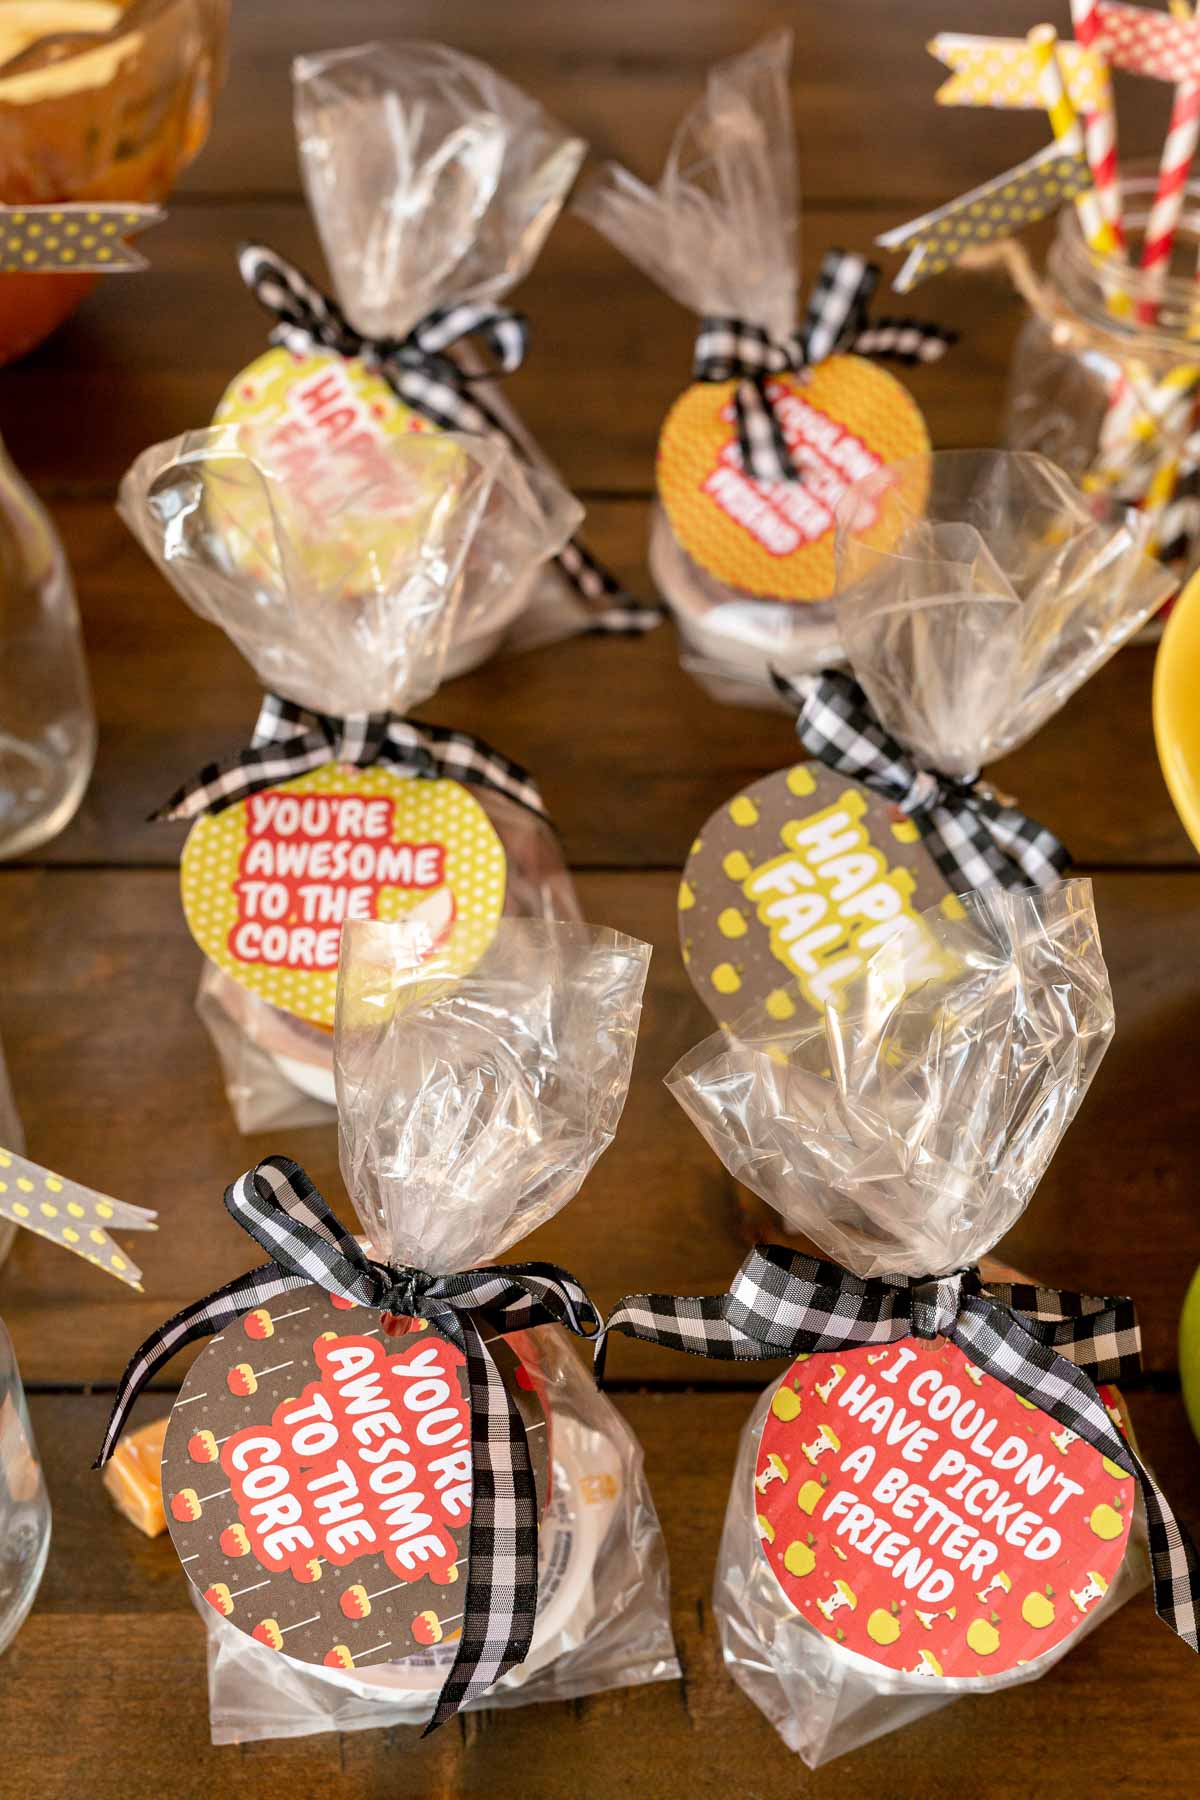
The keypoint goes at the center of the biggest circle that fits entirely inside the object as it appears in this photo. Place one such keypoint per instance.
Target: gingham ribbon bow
(282, 1210)
(729, 349)
(975, 839)
(1049, 1347)
(422, 372)
(289, 740)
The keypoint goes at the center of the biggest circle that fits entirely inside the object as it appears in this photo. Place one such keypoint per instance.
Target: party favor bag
(976, 591)
(387, 1479)
(433, 184)
(936, 1498)
(338, 572)
(783, 413)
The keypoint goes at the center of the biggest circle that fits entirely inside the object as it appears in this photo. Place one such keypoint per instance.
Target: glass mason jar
(1105, 374)
(47, 725)
(24, 1505)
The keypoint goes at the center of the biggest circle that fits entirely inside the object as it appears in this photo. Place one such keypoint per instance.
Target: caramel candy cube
(133, 1477)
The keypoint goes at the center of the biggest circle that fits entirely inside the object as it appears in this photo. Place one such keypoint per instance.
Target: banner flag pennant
(74, 237)
(1155, 44)
(1002, 72)
(75, 1217)
(1006, 204)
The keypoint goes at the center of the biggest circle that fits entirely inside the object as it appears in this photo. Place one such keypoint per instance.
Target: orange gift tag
(843, 420)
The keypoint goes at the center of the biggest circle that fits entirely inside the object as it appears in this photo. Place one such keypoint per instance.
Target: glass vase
(47, 724)
(24, 1504)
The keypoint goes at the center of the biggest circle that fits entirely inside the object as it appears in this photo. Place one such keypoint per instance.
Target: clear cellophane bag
(434, 182)
(904, 1134)
(340, 580)
(720, 233)
(977, 590)
(470, 1111)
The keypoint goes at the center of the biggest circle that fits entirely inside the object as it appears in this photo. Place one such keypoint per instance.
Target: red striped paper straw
(1178, 152)
(1100, 125)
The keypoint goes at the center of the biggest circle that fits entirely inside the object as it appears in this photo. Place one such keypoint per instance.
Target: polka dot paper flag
(73, 239)
(1002, 206)
(75, 1217)
(1002, 72)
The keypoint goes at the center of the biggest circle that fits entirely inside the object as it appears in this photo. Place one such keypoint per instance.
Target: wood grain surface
(103, 1693)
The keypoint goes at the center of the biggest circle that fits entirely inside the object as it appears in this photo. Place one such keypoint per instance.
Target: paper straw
(1160, 491)
(1097, 232)
(1177, 154)
(1100, 125)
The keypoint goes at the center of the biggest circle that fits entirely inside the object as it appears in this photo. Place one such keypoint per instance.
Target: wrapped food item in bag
(433, 184)
(338, 572)
(977, 590)
(781, 417)
(391, 1485)
(940, 1495)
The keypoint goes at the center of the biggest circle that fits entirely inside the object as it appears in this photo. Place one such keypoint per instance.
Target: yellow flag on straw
(76, 1217)
(1002, 206)
(1002, 72)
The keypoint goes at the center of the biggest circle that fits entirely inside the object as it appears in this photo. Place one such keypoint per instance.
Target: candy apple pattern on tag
(919, 1513)
(317, 1479)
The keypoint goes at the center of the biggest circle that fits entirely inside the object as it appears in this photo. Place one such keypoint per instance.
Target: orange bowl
(99, 109)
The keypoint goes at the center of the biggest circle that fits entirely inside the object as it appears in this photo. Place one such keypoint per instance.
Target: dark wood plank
(113, 1072)
(114, 1653)
(149, 357)
(622, 77)
(632, 755)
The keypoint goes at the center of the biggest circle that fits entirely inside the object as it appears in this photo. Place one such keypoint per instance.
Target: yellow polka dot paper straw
(74, 238)
(1097, 229)
(76, 1217)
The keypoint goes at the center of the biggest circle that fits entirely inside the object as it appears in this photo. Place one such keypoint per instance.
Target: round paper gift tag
(293, 408)
(843, 420)
(919, 1514)
(317, 1479)
(268, 882)
(792, 886)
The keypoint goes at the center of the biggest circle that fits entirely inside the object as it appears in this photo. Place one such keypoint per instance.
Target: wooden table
(103, 1691)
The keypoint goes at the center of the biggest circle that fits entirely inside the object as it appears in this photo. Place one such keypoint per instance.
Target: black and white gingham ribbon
(729, 349)
(422, 372)
(289, 740)
(736, 350)
(974, 838)
(1049, 1347)
(283, 1211)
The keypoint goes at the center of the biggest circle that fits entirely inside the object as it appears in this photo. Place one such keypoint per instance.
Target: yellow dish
(1176, 707)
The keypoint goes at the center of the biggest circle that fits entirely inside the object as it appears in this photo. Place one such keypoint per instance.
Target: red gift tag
(916, 1511)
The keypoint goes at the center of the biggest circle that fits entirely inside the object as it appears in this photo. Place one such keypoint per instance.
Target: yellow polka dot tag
(843, 420)
(790, 888)
(52, 1218)
(25, 244)
(267, 883)
(295, 405)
